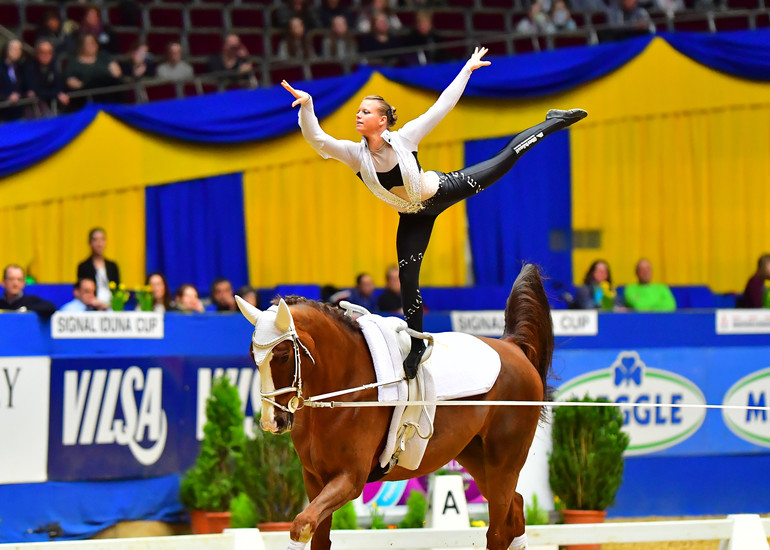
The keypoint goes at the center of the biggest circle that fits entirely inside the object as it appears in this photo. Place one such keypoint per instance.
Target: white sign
(449, 509)
(752, 390)
(107, 324)
(492, 323)
(743, 321)
(629, 380)
(24, 398)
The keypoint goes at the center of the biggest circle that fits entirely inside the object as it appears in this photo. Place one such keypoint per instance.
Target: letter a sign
(449, 509)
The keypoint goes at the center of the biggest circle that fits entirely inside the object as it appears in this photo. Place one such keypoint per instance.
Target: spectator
(42, 80)
(339, 44)
(222, 296)
(297, 8)
(161, 295)
(249, 294)
(630, 14)
(234, 57)
(295, 43)
(91, 70)
(363, 293)
(13, 297)
(669, 7)
(536, 21)
(390, 299)
(330, 9)
(84, 294)
(646, 295)
(92, 24)
(11, 85)
(51, 29)
(99, 268)
(561, 18)
(589, 6)
(140, 63)
(367, 17)
(186, 300)
(423, 36)
(593, 293)
(175, 68)
(378, 40)
(755, 287)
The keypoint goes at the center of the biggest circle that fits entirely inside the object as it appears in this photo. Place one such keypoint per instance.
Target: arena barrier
(736, 532)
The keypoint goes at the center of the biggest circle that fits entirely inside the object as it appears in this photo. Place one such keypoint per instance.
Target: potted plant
(208, 488)
(586, 464)
(270, 473)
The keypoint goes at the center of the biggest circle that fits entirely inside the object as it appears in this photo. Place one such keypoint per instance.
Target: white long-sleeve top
(398, 149)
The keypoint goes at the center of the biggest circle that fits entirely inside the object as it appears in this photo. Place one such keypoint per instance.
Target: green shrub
(416, 506)
(535, 515)
(345, 517)
(243, 512)
(378, 518)
(586, 465)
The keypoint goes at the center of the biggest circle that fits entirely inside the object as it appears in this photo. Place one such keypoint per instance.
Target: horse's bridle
(298, 401)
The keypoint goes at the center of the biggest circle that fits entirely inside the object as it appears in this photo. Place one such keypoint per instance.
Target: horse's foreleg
(311, 520)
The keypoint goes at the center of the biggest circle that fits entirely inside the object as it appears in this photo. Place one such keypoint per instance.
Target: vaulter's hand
(475, 60)
(300, 97)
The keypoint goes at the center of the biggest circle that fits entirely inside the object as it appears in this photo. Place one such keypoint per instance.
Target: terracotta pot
(584, 516)
(274, 526)
(204, 522)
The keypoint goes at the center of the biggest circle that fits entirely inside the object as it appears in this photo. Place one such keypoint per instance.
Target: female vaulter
(387, 163)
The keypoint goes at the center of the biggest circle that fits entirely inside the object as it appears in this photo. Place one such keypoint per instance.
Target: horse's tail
(528, 320)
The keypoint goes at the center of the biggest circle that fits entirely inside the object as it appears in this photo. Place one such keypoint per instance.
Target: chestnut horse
(306, 348)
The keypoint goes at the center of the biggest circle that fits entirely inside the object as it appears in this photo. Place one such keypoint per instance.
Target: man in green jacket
(648, 296)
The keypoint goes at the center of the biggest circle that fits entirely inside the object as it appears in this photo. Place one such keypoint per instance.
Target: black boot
(571, 116)
(412, 360)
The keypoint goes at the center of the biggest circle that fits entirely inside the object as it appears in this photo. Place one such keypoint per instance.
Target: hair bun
(393, 115)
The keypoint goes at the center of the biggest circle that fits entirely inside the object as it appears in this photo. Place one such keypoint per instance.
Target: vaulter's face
(368, 119)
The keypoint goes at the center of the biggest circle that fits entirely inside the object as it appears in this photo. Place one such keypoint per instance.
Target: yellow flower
(112, 285)
(767, 283)
(122, 286)
(478, 523)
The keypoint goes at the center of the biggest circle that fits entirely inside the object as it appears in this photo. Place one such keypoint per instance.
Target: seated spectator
(248, 293)
(92, 24)
(297, 8)
(42, 79)
(670, 7)
(52, 30)
(423, 36)
(161, 295)
(11, 84)
(597, 288)
(13, 297)
(367, 16)
(221, 294)
(295, 44)
(186, 300)
(363, 293)
(330, 9)
(628, 13)
(91, 70)
(753, 294)
(98, 268)
(234, 57)
(140, 63)
(536, 21)
(561, 18)
(390, 299)
(378, 40)
(84, 294)
(646, 295)
(589, 6)
(175, 68)
(339, 44)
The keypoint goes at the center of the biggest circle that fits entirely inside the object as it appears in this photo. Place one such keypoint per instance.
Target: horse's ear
(249, 311)
(283, 320)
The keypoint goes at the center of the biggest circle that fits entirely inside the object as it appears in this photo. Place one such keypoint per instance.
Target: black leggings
(414, 229)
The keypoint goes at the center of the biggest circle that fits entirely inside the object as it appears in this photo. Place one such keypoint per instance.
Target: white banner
(742, 321)
(24, 399)
(492, 323)
(107, 324)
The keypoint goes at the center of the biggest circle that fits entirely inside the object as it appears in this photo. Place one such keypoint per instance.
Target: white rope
(352, 404)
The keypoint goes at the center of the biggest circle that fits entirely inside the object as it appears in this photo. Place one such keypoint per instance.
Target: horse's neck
(343, 362)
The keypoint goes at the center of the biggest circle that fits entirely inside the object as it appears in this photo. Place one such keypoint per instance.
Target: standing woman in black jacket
(99, 268)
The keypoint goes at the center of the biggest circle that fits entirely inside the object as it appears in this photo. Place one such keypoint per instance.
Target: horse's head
(275, 348)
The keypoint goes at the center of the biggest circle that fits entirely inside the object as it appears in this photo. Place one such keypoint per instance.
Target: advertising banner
(492, 323)
(107, 324)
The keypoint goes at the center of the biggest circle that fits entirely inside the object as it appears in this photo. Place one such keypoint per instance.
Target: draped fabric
(523, 217)
(195, 232)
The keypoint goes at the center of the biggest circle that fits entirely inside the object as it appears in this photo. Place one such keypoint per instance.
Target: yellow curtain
(50, 238)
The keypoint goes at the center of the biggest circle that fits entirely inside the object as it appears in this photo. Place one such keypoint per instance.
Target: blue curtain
(525, 216)
(528, 75)
(22, 144)
(196, 231)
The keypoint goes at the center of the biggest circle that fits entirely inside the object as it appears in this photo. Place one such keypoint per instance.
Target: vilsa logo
(91, 415)
(630, 380)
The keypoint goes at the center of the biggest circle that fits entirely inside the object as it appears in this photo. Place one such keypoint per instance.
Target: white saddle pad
(459, 366)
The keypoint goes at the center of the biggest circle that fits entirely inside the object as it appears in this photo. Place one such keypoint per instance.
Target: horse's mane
(335, 313)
